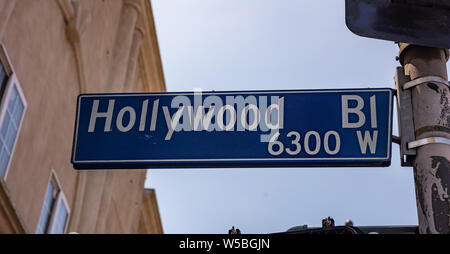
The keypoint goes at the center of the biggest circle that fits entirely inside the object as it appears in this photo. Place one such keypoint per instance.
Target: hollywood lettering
(209, 113)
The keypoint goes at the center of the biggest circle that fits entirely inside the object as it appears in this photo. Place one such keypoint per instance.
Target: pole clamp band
(426, 141)
(426, 79)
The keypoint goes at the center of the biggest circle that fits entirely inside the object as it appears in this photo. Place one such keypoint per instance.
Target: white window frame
(60, 198)
(12, 82)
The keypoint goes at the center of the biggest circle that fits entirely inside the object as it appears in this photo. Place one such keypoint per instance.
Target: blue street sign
(308, 128)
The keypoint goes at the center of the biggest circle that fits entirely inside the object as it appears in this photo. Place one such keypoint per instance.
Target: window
(12, 110)
(3, 76)
(46, 213)
(55, 211)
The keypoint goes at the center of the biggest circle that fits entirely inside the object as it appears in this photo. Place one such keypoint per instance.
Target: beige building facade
(53, 50)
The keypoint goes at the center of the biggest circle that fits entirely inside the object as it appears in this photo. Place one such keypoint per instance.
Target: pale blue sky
(267, 45)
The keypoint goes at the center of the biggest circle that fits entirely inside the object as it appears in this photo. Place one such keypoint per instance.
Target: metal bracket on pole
(426, 141)
(405, 118)
(408, 141)
(423, 80)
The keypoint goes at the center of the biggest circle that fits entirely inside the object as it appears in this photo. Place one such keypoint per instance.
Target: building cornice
(150, 63)
(67, 9)
(150, 219)
(134, 4)
(75, 20)
(9, 212)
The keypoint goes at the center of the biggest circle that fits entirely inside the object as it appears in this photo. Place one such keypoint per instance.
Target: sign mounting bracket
(405, 118)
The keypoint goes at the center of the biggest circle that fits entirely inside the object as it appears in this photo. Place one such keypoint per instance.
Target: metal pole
(431, 113)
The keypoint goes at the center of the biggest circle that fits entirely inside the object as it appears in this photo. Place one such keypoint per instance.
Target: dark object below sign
(345, 230)
(420, 22)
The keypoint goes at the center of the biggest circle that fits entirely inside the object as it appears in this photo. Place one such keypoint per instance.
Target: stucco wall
(45, 63)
